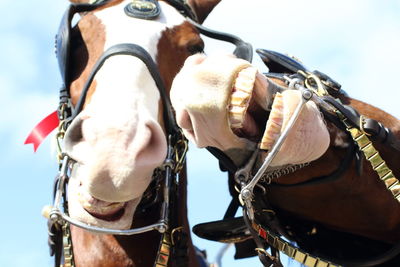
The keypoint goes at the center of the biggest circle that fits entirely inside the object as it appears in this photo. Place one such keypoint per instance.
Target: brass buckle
(314, 83)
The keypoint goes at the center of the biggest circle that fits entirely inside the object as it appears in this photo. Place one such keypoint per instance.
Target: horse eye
(196, 48)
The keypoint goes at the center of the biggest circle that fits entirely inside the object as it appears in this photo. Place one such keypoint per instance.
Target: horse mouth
(111, 212)
(264, 113)
(103, 210)
(248, 113)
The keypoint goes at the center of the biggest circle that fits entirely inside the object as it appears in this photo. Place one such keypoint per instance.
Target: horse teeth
(239, 98)
(274, 124)
(241, 95)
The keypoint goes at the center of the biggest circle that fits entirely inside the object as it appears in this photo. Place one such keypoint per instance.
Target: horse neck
(137, 250)
(351, 200)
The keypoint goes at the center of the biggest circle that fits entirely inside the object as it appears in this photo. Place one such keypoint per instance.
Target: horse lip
(107, 211)
(111, 215)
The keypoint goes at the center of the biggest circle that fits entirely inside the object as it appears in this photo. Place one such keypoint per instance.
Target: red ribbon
(42, 130)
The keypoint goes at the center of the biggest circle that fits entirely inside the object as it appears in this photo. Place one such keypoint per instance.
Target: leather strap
(335, 175)
(135, 51)
(375, 129)
(243, 49)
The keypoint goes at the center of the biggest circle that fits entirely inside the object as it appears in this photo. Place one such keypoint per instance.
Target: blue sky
(355, 42)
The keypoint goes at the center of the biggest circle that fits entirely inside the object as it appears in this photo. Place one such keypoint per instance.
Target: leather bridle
(59, 220)
(264, 226)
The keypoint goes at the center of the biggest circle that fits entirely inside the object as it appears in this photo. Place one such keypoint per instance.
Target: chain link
(62, 127)
(67, 245)
(268, 177)
(180, 150)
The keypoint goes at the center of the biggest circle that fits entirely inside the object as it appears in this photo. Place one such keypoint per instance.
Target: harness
(259, 221)
(265, 229)
(166, 178)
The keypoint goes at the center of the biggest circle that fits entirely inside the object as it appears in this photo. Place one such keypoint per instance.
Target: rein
(173, 239)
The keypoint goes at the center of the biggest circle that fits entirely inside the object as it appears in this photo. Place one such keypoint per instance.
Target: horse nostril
(153, 144)
(73, 134)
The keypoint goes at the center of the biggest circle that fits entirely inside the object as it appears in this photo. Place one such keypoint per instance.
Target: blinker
(143, 9)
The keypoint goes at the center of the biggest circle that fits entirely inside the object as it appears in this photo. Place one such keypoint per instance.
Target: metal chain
(62, 127)
(67, 246)
(268, 177)
(291, 251)
(180, 150)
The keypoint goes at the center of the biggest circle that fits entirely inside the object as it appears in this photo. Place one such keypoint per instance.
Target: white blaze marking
(124, 80)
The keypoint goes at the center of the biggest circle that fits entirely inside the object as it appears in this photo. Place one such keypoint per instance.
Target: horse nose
(195, 59)
(115, 160)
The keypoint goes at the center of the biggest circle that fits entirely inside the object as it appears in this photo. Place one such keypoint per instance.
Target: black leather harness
(266, 230)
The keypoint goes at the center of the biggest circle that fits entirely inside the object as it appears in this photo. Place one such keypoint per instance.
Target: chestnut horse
(305, 160)
(122, 153)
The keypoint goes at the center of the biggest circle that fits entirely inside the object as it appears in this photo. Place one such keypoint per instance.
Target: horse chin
(89, 210)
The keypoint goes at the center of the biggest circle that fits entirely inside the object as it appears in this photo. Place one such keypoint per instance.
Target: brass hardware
(143, 5)
(61, 131)
(290, 250)
(310, 261)
(180, 150)
(164, 251)
(300, 256)
(67, 246)
(313, 82)
(372, 155)
(180, 228)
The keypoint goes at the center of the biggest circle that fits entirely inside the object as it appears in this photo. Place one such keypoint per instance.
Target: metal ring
(180, 228)
(362, 122)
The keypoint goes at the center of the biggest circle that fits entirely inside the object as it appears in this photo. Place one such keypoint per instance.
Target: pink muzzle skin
(116, 159)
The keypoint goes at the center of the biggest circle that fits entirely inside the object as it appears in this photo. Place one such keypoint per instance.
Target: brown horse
(116, 63)
(319, 183)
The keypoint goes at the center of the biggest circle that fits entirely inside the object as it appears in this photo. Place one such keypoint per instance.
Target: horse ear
(202, 8)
